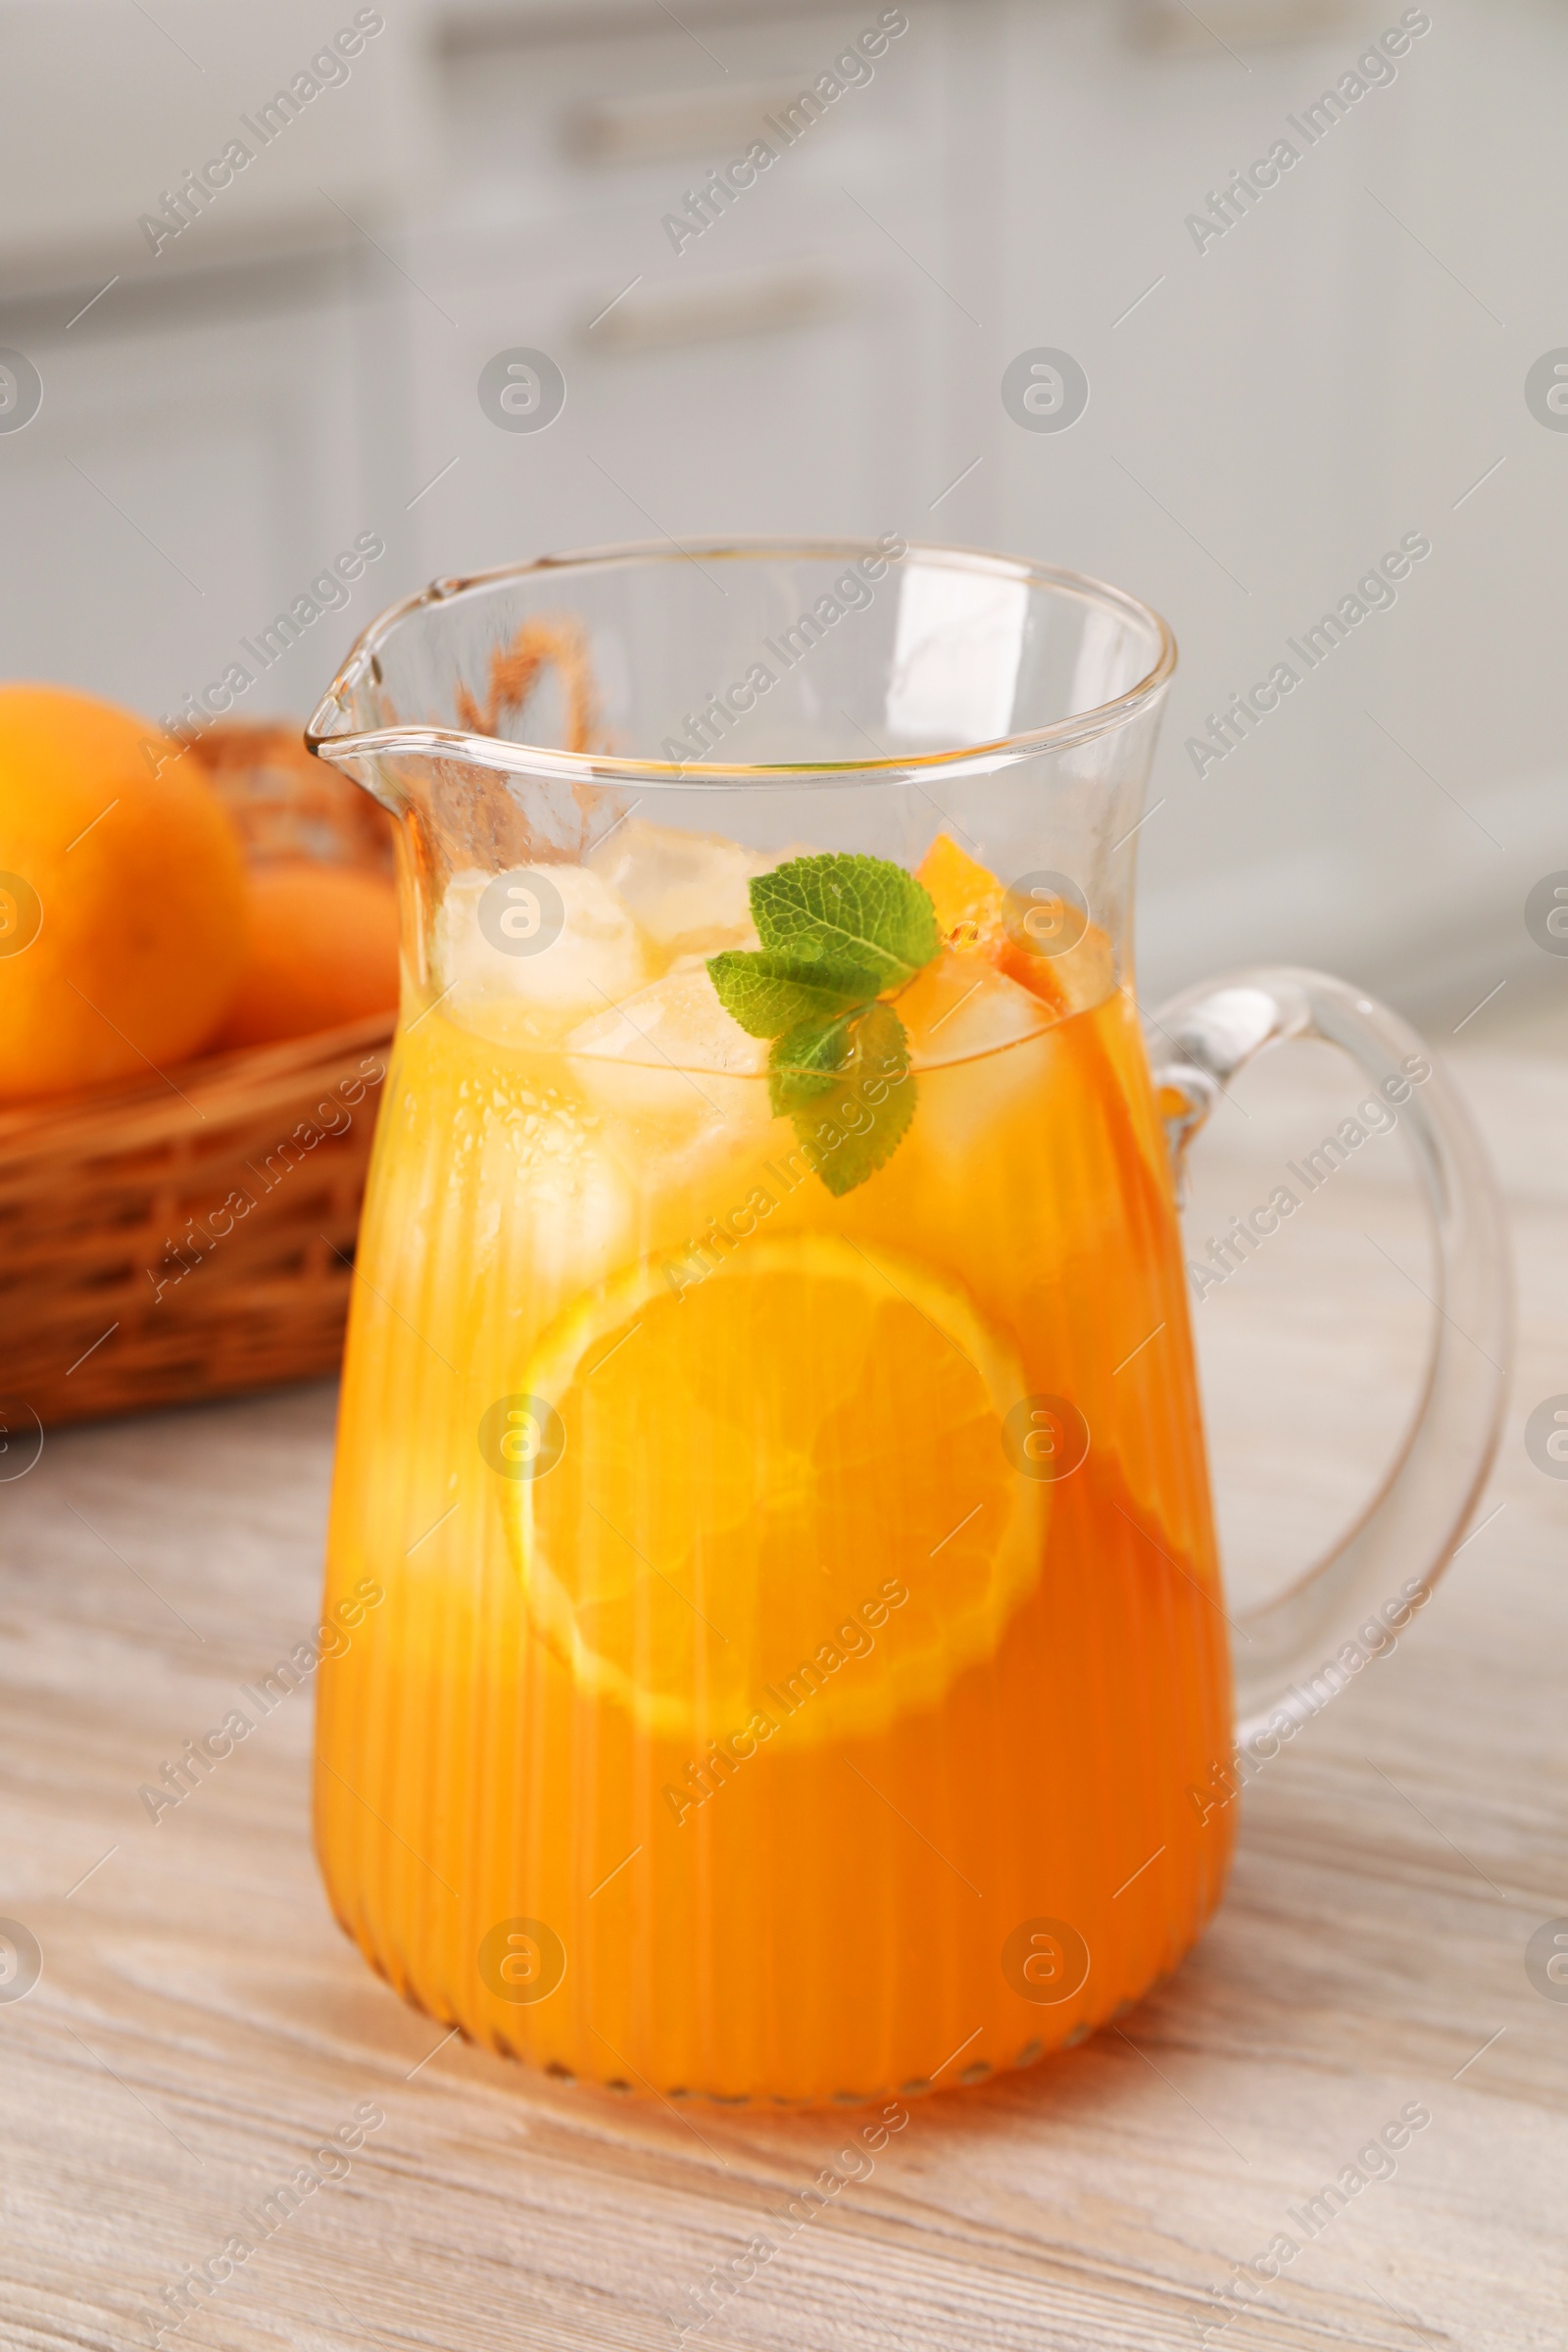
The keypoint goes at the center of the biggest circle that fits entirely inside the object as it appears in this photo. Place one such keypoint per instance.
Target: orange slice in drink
(981, 916)
(778, 1501)
(972, 909)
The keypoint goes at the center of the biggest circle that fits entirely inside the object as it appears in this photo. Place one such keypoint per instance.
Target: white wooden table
(200, 2024)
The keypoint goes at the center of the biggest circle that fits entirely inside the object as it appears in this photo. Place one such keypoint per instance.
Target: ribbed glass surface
(968, 1832)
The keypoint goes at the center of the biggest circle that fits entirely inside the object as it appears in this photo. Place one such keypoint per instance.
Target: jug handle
(1390, 1559)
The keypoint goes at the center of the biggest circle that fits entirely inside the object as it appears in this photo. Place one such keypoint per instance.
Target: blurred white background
(1267, 416)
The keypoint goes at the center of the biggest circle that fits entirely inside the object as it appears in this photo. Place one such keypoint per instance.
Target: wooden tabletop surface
(200, 2028)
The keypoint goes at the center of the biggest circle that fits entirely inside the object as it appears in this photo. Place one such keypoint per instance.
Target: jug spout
(476, 687)
(334, 729)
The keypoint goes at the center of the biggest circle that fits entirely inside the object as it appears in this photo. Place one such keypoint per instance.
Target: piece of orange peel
(972, 909)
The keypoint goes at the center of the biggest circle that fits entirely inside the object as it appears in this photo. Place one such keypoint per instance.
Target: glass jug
(787, 1645)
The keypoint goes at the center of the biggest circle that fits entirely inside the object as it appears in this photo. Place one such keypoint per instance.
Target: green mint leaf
(837, 932)
(807, 1060)
(769, 995)
(856, 1120)
(835, 910)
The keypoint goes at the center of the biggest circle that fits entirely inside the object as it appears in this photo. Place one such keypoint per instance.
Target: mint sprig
(770, 992)
(840, 934)
(861, 913)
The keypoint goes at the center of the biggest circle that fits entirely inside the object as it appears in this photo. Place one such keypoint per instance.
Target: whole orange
(122, 896)
(324, 949)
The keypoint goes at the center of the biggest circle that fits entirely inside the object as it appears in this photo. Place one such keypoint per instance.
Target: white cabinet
(109, 106)
(191, 468)
(1229, 466)
(776, 366)
(1269, 415)
(217, 422)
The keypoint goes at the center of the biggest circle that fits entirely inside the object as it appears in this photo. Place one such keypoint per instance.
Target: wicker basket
(191, 1235)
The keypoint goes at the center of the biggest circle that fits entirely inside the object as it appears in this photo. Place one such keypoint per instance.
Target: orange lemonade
(794, 1635)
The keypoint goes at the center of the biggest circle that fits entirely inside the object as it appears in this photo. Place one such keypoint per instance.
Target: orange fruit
(122, 896)
(324, 949)
(783, 1492)
(976, 916)
(981, 916)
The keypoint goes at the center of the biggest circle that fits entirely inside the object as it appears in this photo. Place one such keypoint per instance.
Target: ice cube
(677, 1023)
(546, 1208)
(981, 1046)
(960, 1006)
(527, 953)
(679, 1087)
(1085, 974)
(688, 891)
(580, 1210)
